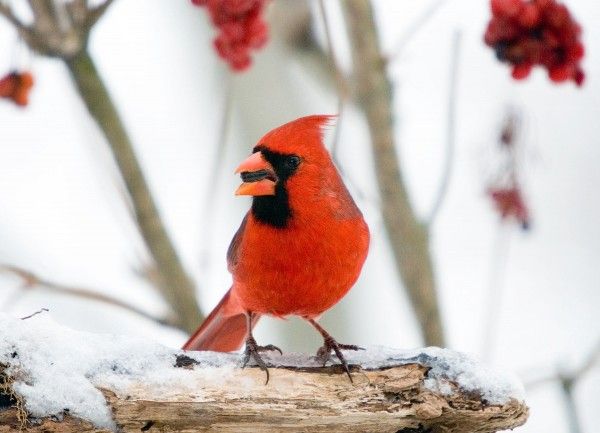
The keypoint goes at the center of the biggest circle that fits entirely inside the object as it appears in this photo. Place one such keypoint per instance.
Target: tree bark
(309, 400)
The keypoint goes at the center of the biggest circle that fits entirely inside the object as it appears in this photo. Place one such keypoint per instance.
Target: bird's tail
(220, 331)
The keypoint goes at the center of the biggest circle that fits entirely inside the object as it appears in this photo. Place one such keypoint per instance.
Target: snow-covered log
(68, 381)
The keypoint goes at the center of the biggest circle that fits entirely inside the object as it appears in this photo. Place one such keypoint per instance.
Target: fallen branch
(119, 383)
(318, 399)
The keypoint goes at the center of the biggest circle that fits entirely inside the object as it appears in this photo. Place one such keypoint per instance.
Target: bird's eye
(292, 161)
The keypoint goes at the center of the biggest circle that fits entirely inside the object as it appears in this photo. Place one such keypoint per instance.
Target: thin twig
(78, 11)
(52, 32)
(568, 380)
(343, 94)
(41, 310)
(7, 13)
(413, 29)
(31, 280)
(408, 238)
(96, 13)
(570, 405)
(340, 81)
(592, 359)
(559, 373)
(495, 292)
(450, 129)
(215, 169)
(43, 14)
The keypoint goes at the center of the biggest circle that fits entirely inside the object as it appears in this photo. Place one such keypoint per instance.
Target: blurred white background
(62, 213)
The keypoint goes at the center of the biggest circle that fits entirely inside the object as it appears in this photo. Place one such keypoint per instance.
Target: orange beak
(258, 176)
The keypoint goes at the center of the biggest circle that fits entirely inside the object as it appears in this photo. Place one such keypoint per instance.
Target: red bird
(299, 249)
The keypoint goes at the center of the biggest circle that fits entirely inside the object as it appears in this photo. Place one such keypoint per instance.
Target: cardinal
(299, 249)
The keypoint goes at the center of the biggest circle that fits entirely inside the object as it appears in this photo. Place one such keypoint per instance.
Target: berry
(529, 17)
(579, 77)
(509, 203)
(241, 29)
(509, 8)
(525, 33)
(558, 74)
(522, 71)
(16, 86)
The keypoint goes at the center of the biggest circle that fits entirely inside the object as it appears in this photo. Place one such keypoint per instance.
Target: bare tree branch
(43, 14)
(409, 239)
(177, 287)
(339, 79)
(7, 13)
(574, 376)
(31, 280)
(58, 34)
(568, 381)
(51, 33)
(495, 291)
(215, 169)
(343, 94)
(592, 360)
(570, 405)
(414, 29)
(78, 10)
(450, 129)
(96, 13)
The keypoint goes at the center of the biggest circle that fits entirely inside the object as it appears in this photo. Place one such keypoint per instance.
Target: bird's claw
(253, 351)
(329, 346)
(269, 348)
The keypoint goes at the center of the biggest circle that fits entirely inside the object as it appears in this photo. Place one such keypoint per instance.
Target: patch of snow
(445, 366)
(56, 369)
(448, 366)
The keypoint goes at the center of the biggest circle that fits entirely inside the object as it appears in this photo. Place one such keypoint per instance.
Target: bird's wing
(232, 251)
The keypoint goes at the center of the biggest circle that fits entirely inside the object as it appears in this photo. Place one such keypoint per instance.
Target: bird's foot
(253, 351)
(329, 346)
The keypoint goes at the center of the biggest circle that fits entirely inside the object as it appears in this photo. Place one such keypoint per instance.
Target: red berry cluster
(241, 29)
(525, 33)
(509, 203)
(16, 86)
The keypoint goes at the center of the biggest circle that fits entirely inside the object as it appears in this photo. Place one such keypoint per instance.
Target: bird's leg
(329, 345)
(253, 349)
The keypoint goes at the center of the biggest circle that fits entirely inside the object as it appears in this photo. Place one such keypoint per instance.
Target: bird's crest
(305, 133)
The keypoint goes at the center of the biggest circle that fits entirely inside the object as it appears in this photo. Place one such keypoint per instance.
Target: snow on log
(70, 381)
